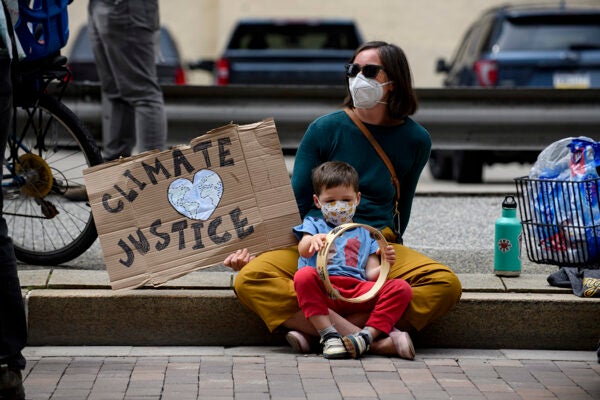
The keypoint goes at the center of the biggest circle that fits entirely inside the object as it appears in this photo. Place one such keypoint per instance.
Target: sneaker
(11, 384)
(333, 347)
(298, 342)
(76, 193)
(403, 343)
(356, 344)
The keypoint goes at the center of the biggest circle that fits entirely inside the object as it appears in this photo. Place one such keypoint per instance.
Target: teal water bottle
(507, 243)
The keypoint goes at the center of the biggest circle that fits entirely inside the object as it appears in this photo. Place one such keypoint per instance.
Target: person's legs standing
(124, 36)
(137, 80)
(118, 128)
(13, 324)
(118, 117)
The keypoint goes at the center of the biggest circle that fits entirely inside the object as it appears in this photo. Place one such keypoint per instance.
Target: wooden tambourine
(322, 263)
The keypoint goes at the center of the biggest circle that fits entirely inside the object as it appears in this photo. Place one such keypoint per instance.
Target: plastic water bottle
(507, 242)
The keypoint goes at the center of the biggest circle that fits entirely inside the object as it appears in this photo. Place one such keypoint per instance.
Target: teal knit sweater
(334, 137)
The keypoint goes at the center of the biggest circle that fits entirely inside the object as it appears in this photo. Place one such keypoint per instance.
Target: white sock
(368, 333)
(329, 329)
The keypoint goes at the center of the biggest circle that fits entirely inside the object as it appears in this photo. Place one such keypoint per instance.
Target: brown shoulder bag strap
(379, 151)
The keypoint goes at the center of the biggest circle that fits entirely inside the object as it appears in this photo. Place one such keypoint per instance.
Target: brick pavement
(254, 373)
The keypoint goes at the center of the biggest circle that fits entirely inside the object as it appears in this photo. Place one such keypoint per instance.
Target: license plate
(571, 81)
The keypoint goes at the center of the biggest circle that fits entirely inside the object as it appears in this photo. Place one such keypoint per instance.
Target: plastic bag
(554, 161)
(565, 204)
(584, 200)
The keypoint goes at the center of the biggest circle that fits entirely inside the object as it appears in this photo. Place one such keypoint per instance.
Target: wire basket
(561, 221)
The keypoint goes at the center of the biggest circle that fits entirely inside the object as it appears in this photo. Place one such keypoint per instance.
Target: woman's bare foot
(398, 343)
(298, 341)
(403, 344)
(383, 347)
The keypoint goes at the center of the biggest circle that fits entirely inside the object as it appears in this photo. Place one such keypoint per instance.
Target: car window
(168, 48)
(305, 37)
(549, 34)
(472, 42)
(460, 52)
(82, 48)
(475, 40)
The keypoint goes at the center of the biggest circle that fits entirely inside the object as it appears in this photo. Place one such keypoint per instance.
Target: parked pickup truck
(282, 51)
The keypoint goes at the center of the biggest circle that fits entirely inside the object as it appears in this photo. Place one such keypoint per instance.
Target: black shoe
(11, 384)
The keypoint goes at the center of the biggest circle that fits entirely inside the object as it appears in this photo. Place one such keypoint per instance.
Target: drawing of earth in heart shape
(198, 199)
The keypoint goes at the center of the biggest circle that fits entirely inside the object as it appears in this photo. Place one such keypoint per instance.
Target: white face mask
(338, 212)
(366, 92)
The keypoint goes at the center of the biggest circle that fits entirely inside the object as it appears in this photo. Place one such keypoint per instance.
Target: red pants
(385, 308)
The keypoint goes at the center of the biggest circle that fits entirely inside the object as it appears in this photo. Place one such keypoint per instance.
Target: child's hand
(317, 242)
(390, 254)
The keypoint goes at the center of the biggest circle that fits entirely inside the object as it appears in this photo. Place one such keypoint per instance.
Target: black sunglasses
(368, 70)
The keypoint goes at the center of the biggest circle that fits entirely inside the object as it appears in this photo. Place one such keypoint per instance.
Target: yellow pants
(266, 286)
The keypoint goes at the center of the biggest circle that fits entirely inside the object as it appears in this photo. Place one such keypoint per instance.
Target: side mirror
(207, 65)
(441, 66)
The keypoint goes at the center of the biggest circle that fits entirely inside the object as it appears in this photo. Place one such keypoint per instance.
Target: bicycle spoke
(47, 157)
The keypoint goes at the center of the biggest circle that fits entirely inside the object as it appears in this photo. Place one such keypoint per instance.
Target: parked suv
(550, 47)
(83, 65)
(285, 51)
(515, 47)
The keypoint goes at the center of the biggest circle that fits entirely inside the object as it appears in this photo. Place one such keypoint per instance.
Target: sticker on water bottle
(504, 245)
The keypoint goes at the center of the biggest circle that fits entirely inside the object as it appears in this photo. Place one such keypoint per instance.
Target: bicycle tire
(39, 237)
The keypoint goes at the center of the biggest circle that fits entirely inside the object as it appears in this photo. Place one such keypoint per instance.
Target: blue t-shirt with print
(352, 248)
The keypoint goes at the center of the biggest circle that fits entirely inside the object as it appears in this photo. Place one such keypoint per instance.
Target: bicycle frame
(31, 79)
(45, 201)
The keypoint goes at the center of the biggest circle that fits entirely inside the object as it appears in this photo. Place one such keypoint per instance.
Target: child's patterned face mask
(338, 212)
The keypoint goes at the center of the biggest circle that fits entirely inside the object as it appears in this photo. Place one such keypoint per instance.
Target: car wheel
(440, 164)
(467, 167)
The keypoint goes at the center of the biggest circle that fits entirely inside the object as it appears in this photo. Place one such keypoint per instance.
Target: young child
(352, 268)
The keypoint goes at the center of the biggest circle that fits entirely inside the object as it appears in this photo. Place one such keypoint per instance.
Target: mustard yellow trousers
(266, 286)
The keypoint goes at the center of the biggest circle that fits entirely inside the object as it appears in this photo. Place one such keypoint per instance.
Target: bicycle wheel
(44, 160)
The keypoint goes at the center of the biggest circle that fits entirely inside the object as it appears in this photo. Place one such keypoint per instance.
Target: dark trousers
(13, 325)
(124, 36)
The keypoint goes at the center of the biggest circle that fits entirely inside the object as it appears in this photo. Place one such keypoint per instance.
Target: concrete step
(78, 308)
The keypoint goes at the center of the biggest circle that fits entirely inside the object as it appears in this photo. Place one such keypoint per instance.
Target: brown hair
(402, 101)
(332, 174)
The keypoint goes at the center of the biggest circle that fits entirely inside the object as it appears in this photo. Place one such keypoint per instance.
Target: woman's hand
(238, 260)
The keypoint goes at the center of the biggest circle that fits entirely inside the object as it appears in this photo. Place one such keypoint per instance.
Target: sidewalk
(180, 373)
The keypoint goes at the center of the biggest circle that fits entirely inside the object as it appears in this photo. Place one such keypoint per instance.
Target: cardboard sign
(161, 215)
